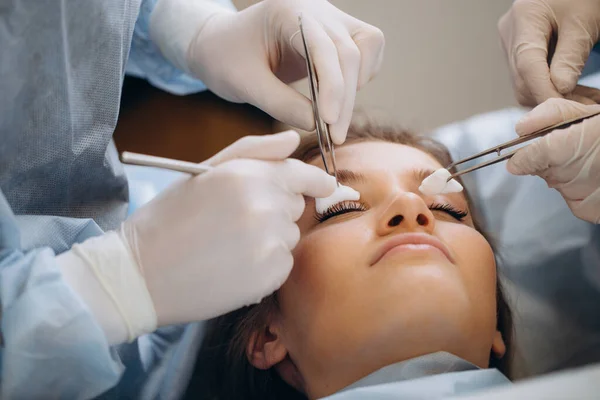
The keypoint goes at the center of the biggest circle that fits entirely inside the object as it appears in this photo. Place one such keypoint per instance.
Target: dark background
(190, 128)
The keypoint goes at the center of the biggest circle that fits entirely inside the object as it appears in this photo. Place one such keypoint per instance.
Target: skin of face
(342, 315)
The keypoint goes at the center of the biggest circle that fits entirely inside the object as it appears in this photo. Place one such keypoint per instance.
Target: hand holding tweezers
(523, 139)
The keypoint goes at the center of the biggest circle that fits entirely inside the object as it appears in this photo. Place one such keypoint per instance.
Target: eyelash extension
(450, 210)
(343, 207)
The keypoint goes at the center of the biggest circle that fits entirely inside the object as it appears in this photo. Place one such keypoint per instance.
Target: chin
(426, 278)
(435, 305)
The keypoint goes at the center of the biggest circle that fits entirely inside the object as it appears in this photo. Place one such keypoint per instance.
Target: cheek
(318, 299)
(327, 261)
(475, 258)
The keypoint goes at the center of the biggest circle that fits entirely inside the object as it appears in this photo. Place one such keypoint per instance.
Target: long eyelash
(450, 210)
(343, 207)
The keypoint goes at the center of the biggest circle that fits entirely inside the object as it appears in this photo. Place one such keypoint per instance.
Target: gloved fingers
(269, 148)
(280, 265)
(350, 60)
(279, 100)
(371, 43)
(585, 95)
(301, 178)
(532, 159)
(572, 184)
(328, 68)
(522, 93)
(587, 209)
(572, 52)
(291, 204)
(580, 99)
(554, 157)
(291, 235)
(534, 72)
(296, 205)
(552, 112)
(525, 34)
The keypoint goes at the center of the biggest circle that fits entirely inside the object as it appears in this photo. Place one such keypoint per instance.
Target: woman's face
(389, 277)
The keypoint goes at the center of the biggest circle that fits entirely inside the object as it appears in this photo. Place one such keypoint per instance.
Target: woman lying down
(392, 296)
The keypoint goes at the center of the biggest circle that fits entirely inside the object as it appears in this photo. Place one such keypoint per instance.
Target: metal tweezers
(498, 149)
(325, 143)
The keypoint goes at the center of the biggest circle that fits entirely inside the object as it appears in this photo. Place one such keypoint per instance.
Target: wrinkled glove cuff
(113, 266)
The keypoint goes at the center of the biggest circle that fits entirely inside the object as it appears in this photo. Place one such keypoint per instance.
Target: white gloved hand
(250, 56)
(207, 245)
(567, 159)
(529, 33)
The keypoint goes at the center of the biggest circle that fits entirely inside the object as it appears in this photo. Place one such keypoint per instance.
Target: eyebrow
(347, 177)
(422, 173)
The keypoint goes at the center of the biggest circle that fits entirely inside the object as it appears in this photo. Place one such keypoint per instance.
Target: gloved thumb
(572, 52)
(274, 147)
(280, 101)
(531, 159)
(551, 112)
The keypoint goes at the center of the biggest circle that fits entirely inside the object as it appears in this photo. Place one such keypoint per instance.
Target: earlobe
(265, 349)
(498, 346)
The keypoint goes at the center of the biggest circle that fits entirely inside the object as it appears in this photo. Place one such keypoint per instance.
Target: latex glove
(252, 55)
(547, 43)
(567, 159)
(206, 246)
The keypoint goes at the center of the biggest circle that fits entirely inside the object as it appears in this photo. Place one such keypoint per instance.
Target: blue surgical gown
(62, 66)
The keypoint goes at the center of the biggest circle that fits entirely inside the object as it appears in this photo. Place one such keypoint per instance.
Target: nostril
(422, 220)
(395, 221)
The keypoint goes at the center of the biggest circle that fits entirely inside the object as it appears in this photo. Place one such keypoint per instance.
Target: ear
(498, 346)
(265, 348)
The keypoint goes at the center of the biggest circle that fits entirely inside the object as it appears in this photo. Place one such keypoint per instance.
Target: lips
(411, 239)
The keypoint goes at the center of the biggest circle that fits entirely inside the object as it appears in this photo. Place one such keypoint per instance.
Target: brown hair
(222, 370)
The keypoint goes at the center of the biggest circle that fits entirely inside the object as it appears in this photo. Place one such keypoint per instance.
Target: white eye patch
(438, 183)
(341, 193)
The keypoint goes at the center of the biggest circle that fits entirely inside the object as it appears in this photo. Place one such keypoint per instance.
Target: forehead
(380, 155)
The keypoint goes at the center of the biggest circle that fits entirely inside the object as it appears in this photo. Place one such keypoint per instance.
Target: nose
(408, 213)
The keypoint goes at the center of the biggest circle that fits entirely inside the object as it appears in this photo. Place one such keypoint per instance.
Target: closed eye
(340, 208)
(454, 212)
